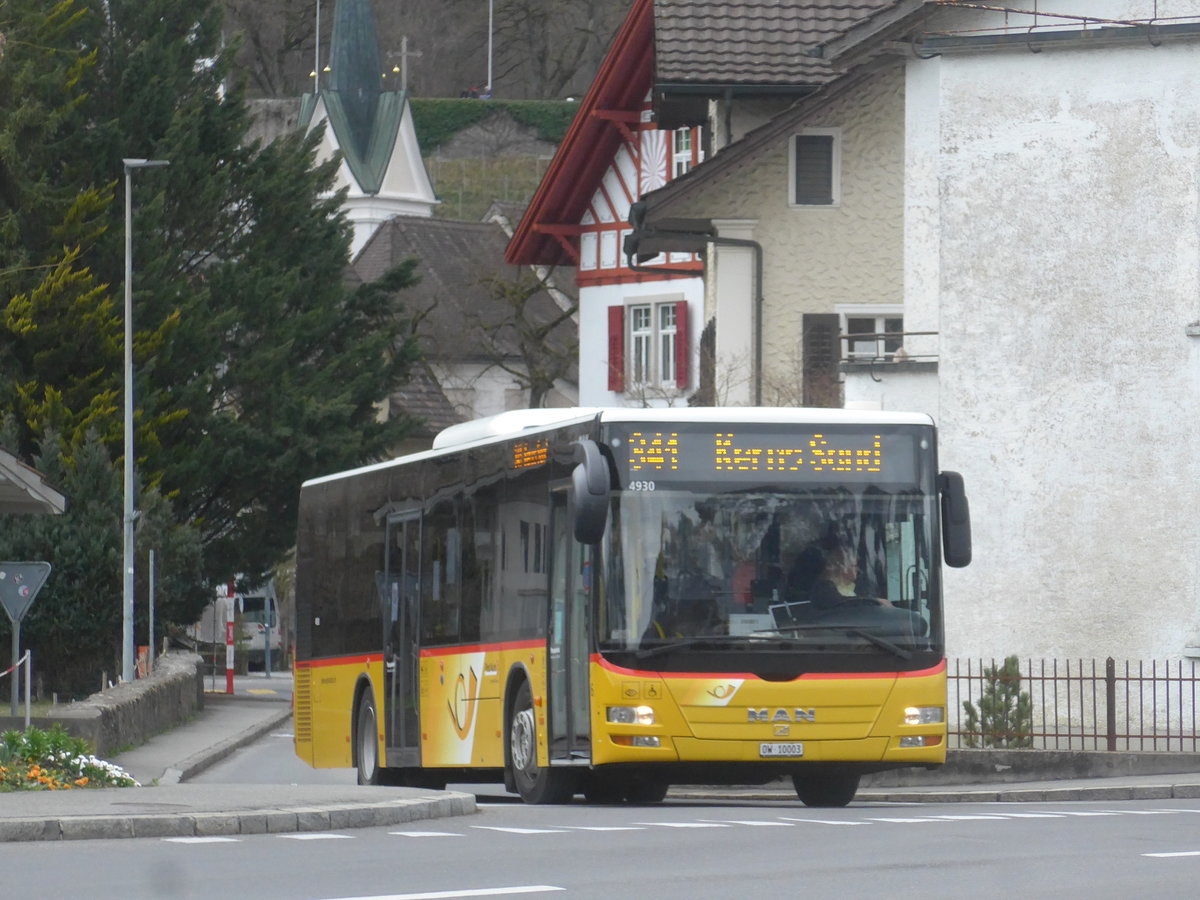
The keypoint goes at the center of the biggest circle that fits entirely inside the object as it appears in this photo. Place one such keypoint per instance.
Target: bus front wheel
(366, 730)
(534, 784)
(826, 788)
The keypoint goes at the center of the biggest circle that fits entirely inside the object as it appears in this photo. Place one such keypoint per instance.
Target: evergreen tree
(1004, 716)
(255, 365)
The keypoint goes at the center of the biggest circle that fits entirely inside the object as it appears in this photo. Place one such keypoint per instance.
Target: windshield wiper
(875, 639)
(719, 640)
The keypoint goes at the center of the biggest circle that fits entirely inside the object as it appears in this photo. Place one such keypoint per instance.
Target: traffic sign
(19, 585)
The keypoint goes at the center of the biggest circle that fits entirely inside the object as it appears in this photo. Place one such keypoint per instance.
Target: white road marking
(910, 821)
(605, 827)
(1170, 855)
(203, 840)
(966, 818)
(681, 824)
(316, 836)
(520, 830)
(469, 892)
(821, 821)
(753, 823)
(1085, 813)
(1034, 815)
(423, 834)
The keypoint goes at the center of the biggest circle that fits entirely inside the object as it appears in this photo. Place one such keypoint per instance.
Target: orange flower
(81, 782)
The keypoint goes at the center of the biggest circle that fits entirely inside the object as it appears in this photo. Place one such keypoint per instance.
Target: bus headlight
(631, 715)
(924, 715)
(920, 740)
(636, 740)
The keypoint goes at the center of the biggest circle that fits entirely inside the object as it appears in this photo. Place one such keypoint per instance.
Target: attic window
(815, 164)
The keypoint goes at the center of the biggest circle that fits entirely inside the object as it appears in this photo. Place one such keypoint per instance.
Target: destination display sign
(754, 453)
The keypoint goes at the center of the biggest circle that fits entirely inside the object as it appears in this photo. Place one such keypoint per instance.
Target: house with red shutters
(1012, 193)
(637, 343)
(682, 80)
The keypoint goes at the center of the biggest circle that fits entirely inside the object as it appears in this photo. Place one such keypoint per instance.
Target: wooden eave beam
(620, 119)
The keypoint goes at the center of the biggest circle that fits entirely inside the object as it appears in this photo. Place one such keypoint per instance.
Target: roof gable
(456, 262)
(621, 85)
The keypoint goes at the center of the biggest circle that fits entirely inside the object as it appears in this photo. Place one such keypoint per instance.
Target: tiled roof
(423, 399)
(456, 261)
(754, 42)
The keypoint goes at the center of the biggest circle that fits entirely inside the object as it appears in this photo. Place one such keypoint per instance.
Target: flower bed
(36, 760)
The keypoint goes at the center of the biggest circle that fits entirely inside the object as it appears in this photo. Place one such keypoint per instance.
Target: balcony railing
(873, 347)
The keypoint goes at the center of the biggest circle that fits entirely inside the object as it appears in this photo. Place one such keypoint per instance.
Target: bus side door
(570, 592)
(401, 637)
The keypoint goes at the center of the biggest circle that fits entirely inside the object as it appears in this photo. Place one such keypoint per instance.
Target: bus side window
(440, 587)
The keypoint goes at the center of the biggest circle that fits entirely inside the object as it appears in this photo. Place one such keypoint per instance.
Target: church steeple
(382, 171)
(354, 64)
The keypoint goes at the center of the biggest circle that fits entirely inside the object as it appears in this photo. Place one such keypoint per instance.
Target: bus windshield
(738, 537)
(815, 569)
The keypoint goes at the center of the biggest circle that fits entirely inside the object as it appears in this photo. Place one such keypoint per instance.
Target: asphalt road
(675, 850)
(679, 849)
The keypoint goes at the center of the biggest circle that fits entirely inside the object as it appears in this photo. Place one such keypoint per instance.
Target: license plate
(780, 749)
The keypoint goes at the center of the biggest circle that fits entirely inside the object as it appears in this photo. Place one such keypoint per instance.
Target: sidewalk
(164, 807)
(167, 807)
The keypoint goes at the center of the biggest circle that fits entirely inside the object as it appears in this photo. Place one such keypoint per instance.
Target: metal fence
(1075, 704)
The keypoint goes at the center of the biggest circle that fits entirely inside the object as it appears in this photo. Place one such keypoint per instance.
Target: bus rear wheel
(534, 784)
(826, 788)
(366, 731)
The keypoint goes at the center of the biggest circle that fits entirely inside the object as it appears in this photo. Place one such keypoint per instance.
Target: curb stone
(198, 762)
(216, 824)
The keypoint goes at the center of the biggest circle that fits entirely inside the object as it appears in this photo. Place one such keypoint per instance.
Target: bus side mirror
(956, 520)
(591, 484)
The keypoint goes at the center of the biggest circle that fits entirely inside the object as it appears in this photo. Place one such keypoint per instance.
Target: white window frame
(880, 312)
(681, 158)
(835, 180)
(658, 341)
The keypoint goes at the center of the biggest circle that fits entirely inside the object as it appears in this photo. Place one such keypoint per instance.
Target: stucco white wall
(480, 389)
(816, 258)
(898, 387)
(1058, 229)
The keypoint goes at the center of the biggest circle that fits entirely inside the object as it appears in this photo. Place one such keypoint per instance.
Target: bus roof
(514, 423)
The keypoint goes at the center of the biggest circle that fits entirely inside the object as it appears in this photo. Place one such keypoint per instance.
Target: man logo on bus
(462, 710)
(781, 715)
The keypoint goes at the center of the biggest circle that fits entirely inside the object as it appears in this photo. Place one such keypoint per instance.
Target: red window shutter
(616, 348)
(683, 345)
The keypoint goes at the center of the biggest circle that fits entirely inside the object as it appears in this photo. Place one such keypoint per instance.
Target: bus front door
(400, 652)
(570, 589)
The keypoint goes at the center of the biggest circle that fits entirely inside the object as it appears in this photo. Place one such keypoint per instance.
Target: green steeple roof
(364, 118)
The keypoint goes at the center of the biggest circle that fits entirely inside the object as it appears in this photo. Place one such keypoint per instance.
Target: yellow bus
(607, 602)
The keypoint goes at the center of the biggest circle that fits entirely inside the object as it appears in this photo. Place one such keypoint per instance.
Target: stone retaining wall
(129, 714)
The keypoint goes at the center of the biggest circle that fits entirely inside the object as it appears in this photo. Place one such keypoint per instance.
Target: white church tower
(381, 166)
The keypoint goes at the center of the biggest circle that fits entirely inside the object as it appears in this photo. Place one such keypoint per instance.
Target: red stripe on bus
(484, 648)
(814, 676)
(339, 661)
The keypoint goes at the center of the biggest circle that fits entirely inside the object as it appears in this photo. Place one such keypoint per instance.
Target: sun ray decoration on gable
(653, 169)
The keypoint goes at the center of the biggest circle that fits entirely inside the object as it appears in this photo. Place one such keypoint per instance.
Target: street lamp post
(127, 654)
